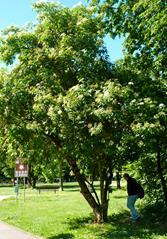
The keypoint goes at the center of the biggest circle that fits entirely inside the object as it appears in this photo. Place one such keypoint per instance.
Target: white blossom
(161, 105)
(59, 112)
(130, 83)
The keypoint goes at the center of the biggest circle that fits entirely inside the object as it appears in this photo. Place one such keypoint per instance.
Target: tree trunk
(32, 179)
(118, 178)
(99, 210)
(105, 181)
(61, 176)
(29, 179)
(96, 207)
(160, 172)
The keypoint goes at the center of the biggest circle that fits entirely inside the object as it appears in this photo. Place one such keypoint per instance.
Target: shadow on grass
(77, 223)
(119, 197)
(75, 188)
(62, 236)
(6, 185)
(71, 188)
(153, 223)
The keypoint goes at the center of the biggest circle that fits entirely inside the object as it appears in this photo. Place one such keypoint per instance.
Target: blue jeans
(131, 205)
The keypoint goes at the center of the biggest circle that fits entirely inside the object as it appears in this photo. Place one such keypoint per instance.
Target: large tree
(61, 91)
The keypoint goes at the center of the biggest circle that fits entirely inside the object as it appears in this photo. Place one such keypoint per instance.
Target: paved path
(4, 197)
(10, 232)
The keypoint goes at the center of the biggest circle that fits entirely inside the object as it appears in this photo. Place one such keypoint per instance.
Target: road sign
(21, 170)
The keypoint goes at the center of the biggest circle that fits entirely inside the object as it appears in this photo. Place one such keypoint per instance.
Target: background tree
(148, 131)
(143, 25)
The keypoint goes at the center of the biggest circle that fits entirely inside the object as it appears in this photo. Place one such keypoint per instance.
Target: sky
(20, 12)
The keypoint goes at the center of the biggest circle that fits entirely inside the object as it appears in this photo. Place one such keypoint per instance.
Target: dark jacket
(132, 186)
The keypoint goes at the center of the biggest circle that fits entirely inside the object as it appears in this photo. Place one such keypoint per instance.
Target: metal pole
(24, 180)
(17, 188)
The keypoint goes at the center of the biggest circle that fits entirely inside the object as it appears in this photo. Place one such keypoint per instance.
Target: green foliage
(63, 50)
(143, 24)
(145, 170)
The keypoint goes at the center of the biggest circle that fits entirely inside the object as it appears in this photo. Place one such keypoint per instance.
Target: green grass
(66, 215)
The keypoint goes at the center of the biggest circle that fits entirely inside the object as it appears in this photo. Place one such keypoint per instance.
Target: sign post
(21, 171)
(16, 182)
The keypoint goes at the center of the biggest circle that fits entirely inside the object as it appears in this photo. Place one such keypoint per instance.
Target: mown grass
(66, 215)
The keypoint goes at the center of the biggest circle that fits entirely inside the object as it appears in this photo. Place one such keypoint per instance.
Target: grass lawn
(66, 215)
